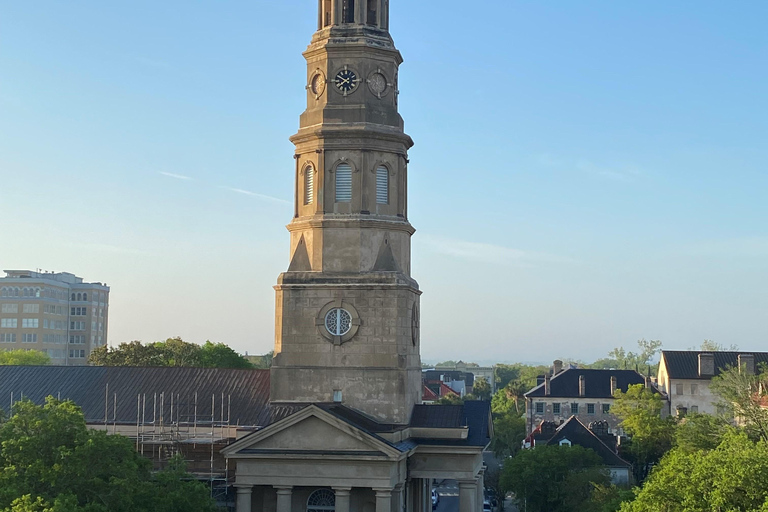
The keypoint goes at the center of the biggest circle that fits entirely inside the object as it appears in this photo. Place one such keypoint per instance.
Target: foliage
(744, 396)
(621, 359)
(700, 432)
(639, 410)
(50, 462)
(608, 498)
(508, 434)
(713, 346)
(22, 357)
(481, 389)
(263, 362)
(453, 364)
(733, 477)
(450, 399)
(171, 352)
(554, 478)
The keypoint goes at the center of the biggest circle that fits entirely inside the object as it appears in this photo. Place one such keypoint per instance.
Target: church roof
(116, 389)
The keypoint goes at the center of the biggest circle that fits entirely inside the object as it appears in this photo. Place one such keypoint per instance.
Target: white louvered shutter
(343, 183)
(382, 185)
(309, 185)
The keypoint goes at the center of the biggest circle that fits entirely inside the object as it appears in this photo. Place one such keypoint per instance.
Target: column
(244, 498)
(467, 496)
(480, 490)
(342, 498)
(284, 494)
(383, 500)
(397, 498)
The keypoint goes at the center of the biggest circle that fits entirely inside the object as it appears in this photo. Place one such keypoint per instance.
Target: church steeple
(347, 308)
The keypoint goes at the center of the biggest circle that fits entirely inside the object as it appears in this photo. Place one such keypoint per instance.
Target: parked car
(435, 498)
(487, 506)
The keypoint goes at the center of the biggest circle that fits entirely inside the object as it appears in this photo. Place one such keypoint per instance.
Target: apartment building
(53, 312)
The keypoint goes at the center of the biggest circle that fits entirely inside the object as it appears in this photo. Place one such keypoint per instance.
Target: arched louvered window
(309, 185)
(382, 185)
(344, 183)
(372, 17)
(348, 11)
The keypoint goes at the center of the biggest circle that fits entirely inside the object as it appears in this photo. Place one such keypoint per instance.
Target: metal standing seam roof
(597, 383)
(99, 390)
(684, 364)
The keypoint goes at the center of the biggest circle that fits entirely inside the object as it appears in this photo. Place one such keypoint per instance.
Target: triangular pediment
(311, 431)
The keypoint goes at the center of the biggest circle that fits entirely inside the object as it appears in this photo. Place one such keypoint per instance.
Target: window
(29, 338)
(382, 185)
(606, 408)
(7, 337)
(372, 17)
(9, 323)
(678, 389)
(338, 321)
(77, 339)
(30, 323)
(344, 183)
(322, 500)
(555, 408)
(10, 308)
(78, 311)
(574, 408)
(539, 407)
(31, 308)
(309, 185)
(77, 326)
(74, 297)
(694, 389)
(565, 442)
(694, 409)
(85, 296)
(326, 13)
(348, 11)
(590, 408)
(77, 354)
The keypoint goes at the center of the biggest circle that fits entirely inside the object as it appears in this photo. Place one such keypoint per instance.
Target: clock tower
(347, 309)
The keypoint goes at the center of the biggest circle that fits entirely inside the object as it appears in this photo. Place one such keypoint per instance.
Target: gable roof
(245, 392)
(597, 383)
(684, 364)
(577, 433)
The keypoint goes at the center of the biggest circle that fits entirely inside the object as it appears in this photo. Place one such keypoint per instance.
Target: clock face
(346, 80)
(318, 84)
(378, 84)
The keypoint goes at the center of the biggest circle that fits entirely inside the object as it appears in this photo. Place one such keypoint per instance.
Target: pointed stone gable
(300, 261)
(385, 262)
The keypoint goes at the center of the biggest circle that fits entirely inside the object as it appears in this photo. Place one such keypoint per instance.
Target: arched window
(37, 292)
(79, 297)
(344, 183)
(4, 292)
(309, 185)
(382, 185)
(85, 296)
(74, 297)
(15, 292)
(322, 500)
(348, 11)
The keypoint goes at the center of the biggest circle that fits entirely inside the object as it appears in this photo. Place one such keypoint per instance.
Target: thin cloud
(177, 176)
(255, 194)
(488, 253)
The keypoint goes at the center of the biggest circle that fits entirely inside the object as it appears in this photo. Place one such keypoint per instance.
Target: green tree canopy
(481, 389)
(731, 478)
(171, 352)
(24, 358)
(744, 396)
(639, 410)
(50, 461)
(554, 478)
(621, 358)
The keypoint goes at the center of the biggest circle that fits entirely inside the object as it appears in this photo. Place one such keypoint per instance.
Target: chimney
(582, 386)
(706, 365)
(547, 385)
(747, 363)
(614, 384)
(647, 383)
(557, 366)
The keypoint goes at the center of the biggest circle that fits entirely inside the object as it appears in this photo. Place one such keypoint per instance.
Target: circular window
(338, 321)
(322, 500)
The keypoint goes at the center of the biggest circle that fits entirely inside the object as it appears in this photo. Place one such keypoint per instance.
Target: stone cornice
(336, 221)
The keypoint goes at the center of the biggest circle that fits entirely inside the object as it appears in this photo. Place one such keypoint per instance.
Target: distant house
(596, 437)
(478, 372)
(685, 376)
(435, 391)
(459, 382)
(586, 394)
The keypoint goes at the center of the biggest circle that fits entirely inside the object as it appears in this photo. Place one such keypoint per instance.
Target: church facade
(347, 431)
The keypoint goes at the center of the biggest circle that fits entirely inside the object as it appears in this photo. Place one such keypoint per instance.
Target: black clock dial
(346, 80)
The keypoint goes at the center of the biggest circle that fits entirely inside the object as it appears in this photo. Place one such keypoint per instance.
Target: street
(449, 498)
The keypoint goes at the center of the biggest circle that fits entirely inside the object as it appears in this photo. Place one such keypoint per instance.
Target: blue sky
(586, 173)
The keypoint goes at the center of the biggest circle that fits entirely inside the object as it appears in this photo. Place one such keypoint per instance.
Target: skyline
(606, 160)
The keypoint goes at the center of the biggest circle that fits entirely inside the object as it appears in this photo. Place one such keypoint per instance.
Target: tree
(620, 358)
(700, 432)
(508, 434)
(554, 478)
(24, 358)
(639, 410)
(263, 362)
(50, 461)
(450, 399)
(713, 346)
(733, 477)
(481, 389)
(745, 397)
(169, 353)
